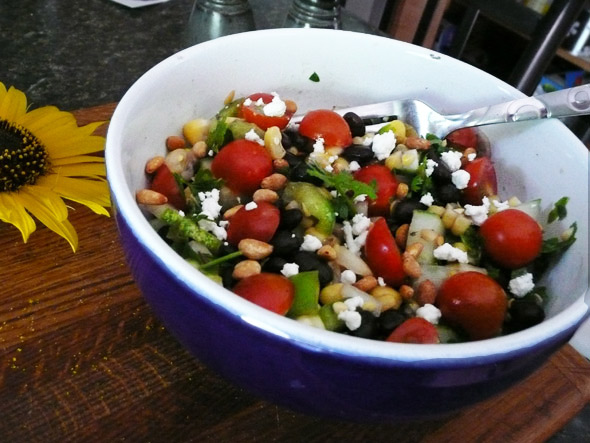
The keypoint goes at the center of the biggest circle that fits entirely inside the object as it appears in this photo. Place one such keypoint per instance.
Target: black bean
(325, 274)
(441, 174)
(447, 194)
(286, 140)
(225, 271)
(361, 154)
(274, 264)
(307, 261)
(225, 248)
(368, 327)
(389, 320)
(285, 243)
(404, 209)
(299, 173)
(293, 160)
(355, 123)
(290, 218)
(525, 313)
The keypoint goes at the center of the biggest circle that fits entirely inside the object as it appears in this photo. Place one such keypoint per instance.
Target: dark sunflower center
(23, 157)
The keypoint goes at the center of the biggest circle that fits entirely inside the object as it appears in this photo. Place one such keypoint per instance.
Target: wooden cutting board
(82, 358)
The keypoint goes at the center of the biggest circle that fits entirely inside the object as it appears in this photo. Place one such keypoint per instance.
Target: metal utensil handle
(564, 103)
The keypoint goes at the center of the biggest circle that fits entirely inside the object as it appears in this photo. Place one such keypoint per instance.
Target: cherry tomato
(482, 182)
(512, 238)
(165, 183)
(463, 138)
(242, 164)
(326, 124)
(259, 223)
(382, 253)
(386, 187)
(473, 301)
(415, 330)
(270, 291)
(255, 114)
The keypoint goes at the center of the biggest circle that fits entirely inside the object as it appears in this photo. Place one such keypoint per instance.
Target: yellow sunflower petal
(67, 145)
(11, 211)
(93, 194)
(80, 170)
(47, 210)
(46, 119)
(13, 104)
(77, 159)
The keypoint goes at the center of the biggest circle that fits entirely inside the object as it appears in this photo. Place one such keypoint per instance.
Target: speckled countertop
(75, 54)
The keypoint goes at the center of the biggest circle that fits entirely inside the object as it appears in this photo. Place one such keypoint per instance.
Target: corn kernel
(460, 225)
(331, 294)
(196, 130)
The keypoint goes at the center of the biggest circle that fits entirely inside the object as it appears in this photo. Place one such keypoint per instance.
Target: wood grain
(82, 358)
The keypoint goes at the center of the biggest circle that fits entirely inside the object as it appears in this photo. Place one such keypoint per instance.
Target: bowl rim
(269, 322)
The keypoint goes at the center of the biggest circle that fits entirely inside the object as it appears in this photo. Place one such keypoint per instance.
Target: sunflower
(45, 157)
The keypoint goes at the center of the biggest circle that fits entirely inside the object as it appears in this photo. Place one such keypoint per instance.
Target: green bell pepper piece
(307, 292)
(314, 202)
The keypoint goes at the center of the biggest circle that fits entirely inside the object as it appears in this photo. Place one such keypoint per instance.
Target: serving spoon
(425, 120)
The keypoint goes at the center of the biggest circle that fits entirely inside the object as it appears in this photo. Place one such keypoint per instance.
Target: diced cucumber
(448, 335)
(532, 208)
(439, 273)
(422, 223)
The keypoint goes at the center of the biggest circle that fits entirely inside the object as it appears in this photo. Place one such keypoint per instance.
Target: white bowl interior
(538, 159)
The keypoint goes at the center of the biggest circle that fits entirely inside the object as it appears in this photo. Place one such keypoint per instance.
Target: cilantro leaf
(314, 77)
(555, 244)
(559, 211)
(219, 134)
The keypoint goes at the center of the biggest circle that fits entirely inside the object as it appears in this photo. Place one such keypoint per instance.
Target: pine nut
(401, 235)
(367, 283)
(407, 292)
(411, 266)
(153, 164)
(291, 106)
(200, 149)
(428, 234)
(246, 268)
(280, 164)
(388, 297)
(402, 191)
(415, 142)
(255, 249)
(231, 212)
(230, 97)
(149, 197)
(274, 182)
(327, 252)
(265, 195)
(415, 249)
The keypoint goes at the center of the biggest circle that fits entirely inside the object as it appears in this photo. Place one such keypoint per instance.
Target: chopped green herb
(218, 136)
(189, 229)
(556, 244)
(314, 77)
(559, 211)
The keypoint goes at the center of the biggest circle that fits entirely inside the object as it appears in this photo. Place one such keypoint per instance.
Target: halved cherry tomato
(386, 187)
(382, 254)
(254, 113)
(270, 291)
(473, 301)
(242, 164)
(463, 138)
(165, 183)
(512, 238)
(482, 181)
(415, 330)
(259, 223)
(328, 125)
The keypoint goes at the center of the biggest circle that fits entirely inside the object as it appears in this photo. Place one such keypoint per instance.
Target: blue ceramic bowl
(315, 371)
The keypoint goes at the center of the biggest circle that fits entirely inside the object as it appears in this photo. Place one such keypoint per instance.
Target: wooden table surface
(82, 358)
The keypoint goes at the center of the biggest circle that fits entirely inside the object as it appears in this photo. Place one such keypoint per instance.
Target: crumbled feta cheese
(352, 319)
(252, 136)
(290, 269)
(478, 214)
(368, 139)
(450, 253)
(224, 223)
(427, 199)
(211, 153)
(383, 145)
(380, 281)
(332, 158)
(354, 302)
(452, 159)
(210, 206)
(329, 168)
(251, 205)
(521, 285)
(360, 198)
(348, 276)
(310, 243)
(318, 146)
(471, 156)
(214, 228)
(500, 206)
(429, 313)
(181, 213)
(360, 224)
(430, 165)
(276, 108)
(460, 178)
(353, 244)
(354, 166)
(247, 102)
(334, 193)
